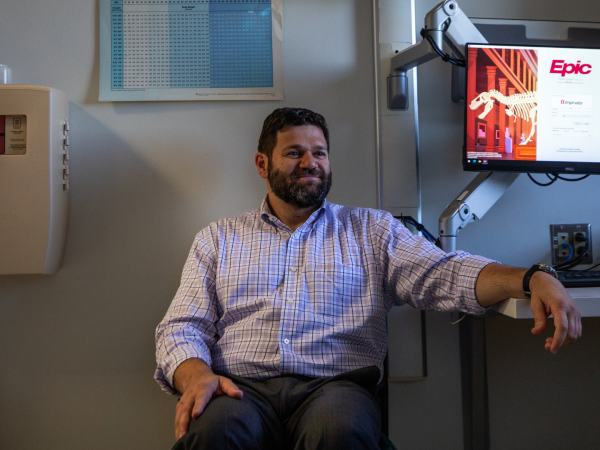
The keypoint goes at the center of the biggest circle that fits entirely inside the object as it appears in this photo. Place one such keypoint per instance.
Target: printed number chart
(157, 50)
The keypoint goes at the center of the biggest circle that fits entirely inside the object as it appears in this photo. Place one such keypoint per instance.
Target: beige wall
(77, 348)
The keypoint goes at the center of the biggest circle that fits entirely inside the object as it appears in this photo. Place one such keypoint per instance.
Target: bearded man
(276, 336)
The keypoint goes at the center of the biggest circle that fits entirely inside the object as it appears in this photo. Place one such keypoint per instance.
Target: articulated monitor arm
(447, 23)
(475, 200)
(444, 23)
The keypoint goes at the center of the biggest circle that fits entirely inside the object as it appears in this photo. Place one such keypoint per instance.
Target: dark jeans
(291, 412)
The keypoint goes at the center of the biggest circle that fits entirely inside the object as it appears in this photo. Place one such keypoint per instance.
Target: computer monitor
(531, 109)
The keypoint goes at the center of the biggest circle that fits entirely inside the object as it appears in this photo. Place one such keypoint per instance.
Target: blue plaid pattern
(259, 301)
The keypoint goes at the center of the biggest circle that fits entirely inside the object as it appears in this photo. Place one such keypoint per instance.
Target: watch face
(549, 270)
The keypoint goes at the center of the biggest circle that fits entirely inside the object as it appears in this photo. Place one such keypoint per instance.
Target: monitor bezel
(515, 166)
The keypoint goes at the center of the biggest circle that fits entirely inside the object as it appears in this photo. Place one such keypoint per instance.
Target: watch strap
(527, 278)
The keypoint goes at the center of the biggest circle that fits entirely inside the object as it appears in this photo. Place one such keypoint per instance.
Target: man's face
(298, 172)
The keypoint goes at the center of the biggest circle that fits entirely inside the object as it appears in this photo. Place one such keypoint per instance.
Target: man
(276, 336)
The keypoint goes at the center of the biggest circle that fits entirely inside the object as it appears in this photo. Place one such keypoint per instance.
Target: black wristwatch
(544, 268)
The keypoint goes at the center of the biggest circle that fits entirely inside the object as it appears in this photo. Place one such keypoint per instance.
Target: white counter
(586, 299)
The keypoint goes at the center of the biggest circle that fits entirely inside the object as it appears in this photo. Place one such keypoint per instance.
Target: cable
(575, 262)
(590, 268)
(418, 226)
(456, 321)
(582, 256)
(543, 184)
(574, 179)
(445, 56)
(565, 245)
(569, 265)
(436, 241)
(554, 176)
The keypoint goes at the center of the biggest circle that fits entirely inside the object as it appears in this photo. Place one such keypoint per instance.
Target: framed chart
(157, 50)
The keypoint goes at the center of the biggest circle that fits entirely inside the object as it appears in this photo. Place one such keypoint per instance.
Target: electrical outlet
(569, 241)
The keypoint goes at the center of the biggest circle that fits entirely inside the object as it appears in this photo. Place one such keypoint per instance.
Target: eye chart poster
(161, 50)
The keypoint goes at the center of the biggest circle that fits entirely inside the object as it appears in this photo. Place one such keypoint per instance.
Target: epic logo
(559, 66)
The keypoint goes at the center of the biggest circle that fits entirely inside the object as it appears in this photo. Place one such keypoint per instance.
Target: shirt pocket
(335, 290)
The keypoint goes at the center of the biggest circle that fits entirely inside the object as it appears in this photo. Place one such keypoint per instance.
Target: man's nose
(308, 161)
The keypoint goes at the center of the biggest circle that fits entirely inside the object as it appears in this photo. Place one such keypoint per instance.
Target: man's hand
(197, 384)
(548, 296)
(497, 282)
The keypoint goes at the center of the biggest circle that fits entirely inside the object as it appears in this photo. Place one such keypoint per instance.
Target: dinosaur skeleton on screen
(519, 105)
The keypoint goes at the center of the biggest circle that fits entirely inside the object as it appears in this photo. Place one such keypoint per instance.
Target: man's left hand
(549, 297)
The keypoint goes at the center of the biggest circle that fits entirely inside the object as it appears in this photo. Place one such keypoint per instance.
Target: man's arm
(186, 335)
(197, 383)
(497, 282)
(427, 278)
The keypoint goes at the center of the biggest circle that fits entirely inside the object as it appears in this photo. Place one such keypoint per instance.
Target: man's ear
(262, 164)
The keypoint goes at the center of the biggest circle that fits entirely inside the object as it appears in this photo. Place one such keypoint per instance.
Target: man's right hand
(197, 384)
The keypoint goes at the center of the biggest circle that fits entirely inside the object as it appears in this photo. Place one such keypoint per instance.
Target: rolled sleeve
(418, 273)
(168, 360)
(467, 269)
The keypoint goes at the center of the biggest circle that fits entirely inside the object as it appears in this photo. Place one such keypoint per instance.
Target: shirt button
(286, 341)
(293, 269)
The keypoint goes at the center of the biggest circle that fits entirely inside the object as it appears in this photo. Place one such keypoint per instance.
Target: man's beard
(295, 192)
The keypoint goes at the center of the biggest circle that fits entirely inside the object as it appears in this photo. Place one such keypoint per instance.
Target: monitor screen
(531, 109)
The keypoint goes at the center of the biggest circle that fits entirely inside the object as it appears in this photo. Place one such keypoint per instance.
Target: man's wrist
(534, 273)
(539, 278)
(188, 371)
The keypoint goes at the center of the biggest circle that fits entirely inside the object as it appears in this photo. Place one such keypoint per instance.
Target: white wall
(77, 348)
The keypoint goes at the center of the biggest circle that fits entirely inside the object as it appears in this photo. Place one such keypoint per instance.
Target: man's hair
(284, 117)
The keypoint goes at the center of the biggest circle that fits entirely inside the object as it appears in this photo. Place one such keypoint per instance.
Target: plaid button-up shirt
(260, 300)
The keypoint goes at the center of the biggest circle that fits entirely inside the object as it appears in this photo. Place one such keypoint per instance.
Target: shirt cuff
(470, 268)
(167, 367)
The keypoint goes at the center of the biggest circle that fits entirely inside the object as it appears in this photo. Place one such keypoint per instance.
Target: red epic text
(559, 66)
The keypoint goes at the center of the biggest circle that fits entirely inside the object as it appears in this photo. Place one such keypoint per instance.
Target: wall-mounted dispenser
(34, 178)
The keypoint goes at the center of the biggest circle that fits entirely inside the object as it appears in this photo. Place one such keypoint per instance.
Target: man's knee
(345, 433)
(342, 416)
(230, 423)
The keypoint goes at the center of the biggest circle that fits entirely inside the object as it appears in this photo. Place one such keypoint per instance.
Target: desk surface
(586, 299)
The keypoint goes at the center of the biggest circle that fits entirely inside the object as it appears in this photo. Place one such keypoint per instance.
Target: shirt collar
(267, 215)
